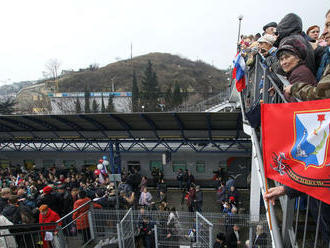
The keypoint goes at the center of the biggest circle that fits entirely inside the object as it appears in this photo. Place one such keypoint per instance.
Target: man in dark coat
(198, 199)
(232, 237)
(48, 197)
(145, 231)
(190, 179)
(219, 241)
(12, 211)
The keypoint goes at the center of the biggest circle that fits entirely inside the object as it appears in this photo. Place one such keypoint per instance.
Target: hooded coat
(50, 217)
(291, 26)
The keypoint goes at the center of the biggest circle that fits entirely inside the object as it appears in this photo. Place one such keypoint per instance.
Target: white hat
(268, 38)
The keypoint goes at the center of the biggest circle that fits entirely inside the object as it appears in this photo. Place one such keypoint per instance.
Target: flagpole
(268, 209)
(240, 18)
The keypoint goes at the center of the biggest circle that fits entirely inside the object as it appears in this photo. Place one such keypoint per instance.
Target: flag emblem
(312, 138)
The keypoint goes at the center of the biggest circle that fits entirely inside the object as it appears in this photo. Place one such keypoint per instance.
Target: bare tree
(52, 68)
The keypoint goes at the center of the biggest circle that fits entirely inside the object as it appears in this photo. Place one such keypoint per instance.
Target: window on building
(90, 164)
(4, 163)
(28, 164)
(48, 163)
(156, 164)
(177, 165)
(69, 163)
(200, 166)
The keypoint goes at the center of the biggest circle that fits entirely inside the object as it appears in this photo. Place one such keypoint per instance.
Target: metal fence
(204, 231)
(72, 230)
(103, 228)
(170, 229)
(126, 230)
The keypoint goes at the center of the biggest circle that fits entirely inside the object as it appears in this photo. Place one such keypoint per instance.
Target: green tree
(177, 96)
(78, 106)
(150, 91)
(110, 107)
(95, 106)
(87, 103)
(102, 105)
(135, 94)
(7, 107)
(169, 97)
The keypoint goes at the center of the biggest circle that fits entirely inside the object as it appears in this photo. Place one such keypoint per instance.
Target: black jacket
(51, 200)
(3, 203)
(12, 213)
(260, 241)
(231, 240)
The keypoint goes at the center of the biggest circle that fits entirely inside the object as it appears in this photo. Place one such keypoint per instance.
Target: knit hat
(46, 190)
(293, 45)
(43, 207)
(268, 38)
(271, 24)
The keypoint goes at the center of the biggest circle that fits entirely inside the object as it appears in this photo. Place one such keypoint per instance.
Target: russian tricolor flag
(239, 72)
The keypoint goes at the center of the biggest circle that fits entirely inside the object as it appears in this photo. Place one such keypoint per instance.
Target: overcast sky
(79, 33)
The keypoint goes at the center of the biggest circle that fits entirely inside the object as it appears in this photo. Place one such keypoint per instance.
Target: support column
(111, 157)
(118, 158)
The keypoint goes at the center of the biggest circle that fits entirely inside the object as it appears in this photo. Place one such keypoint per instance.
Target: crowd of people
(45, 195)
(302, 57)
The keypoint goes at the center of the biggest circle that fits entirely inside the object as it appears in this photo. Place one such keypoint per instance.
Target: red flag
(296, 151)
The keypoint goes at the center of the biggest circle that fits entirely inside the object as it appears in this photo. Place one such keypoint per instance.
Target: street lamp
(240, 17)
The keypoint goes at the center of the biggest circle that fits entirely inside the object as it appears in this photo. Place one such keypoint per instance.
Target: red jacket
(81, 215)
(51, 216)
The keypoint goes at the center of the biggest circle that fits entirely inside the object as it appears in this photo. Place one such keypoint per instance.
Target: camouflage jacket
(307, 92)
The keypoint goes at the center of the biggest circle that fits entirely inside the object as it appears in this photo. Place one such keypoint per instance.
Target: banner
(295, 139)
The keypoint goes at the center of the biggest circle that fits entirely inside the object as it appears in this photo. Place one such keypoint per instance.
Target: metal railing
(182, 226)
(298, 229)
(66, 232)
(205, 104)
(120, 227)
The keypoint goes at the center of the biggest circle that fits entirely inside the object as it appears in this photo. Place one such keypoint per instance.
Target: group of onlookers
(302, 57)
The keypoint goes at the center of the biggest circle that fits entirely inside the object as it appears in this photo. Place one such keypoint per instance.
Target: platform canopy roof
(121, 126)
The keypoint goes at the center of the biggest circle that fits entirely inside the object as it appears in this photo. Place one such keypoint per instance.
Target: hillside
(199, 78)
(12, 89)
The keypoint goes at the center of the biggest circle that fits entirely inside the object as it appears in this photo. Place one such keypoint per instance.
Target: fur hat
(293, 45)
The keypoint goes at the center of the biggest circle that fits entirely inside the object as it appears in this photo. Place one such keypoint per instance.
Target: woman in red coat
(47, 215)
(81, 215)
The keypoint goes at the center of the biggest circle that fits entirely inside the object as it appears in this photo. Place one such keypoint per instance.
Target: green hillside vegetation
(198, 79)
